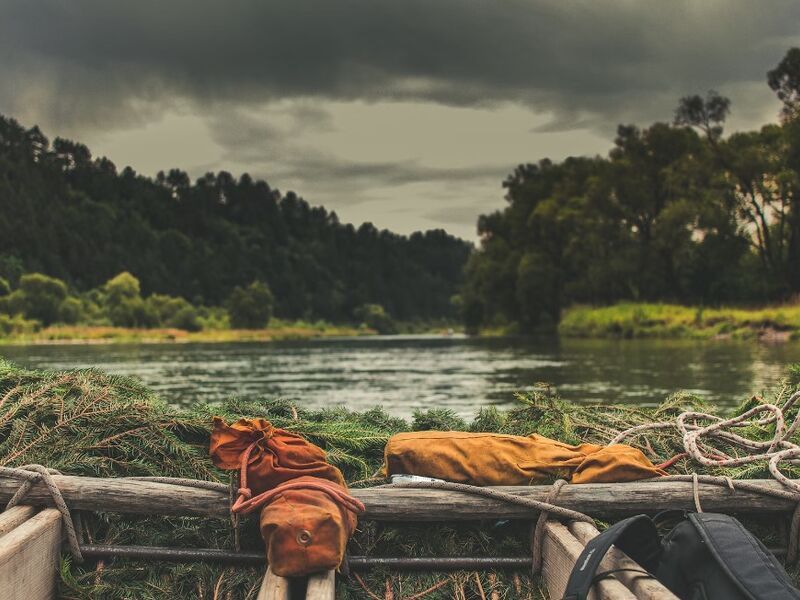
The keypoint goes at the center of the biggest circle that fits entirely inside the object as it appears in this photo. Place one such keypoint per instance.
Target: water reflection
(403, 373)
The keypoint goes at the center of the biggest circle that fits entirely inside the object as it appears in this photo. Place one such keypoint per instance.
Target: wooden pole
(321, 586)
(398, 504)
(273, 587)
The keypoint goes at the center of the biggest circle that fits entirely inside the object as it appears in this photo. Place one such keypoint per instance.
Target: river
(405, 373)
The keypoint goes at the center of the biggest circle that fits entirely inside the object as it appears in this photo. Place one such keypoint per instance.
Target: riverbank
(275, 332)
(642, 320)
(85, 334)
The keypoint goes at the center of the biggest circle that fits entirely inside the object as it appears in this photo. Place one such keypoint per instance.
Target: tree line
(676, 212)
(80, 220)
(40, 300)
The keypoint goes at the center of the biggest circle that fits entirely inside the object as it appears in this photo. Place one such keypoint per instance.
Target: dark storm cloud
(106, 64)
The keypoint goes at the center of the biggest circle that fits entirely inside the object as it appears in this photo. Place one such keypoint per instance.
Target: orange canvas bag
(307, 516)
(499, 459)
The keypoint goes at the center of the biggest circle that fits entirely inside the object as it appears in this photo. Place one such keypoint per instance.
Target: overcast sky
(406, 113)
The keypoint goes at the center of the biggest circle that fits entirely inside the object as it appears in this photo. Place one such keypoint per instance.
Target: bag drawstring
(247, 503)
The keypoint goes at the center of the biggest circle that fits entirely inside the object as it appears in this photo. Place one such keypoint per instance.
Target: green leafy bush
(250, 307)
(38, 297)
(375, 317)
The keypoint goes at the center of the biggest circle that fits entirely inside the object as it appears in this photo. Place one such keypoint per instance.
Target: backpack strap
(636, 536)
(752, 568)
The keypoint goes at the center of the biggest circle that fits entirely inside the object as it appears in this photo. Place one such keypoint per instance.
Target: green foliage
(437, 419)
(122, 287)
(16, 325)
(38, 297)
(675, 213)
(250, 307)
(375, 317)
(11, 269)
(124, 304)
(5, 287)
(77, 217)
(636, 320)
(71, 311)
(173, 312)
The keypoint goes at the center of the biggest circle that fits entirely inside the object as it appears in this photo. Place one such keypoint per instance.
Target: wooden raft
(30, 540)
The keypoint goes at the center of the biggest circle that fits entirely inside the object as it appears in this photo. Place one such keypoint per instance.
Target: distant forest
(77, 218)
(676, 212)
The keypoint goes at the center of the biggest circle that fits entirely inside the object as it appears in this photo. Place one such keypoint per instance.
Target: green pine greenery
(94, 424)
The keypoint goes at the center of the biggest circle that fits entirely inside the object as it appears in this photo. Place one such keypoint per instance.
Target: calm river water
(404, 373)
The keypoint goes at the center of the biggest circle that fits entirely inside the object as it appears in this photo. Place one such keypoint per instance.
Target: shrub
(124, 304)
(123, 286)
(250, 307)
(186, 318)
(71, 311)
(375, 317)
(170, 311)
(38, 297)
(15, 325)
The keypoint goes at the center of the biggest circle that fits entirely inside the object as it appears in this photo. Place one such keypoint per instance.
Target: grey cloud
(459, 214)
(267, 146)
(355, 181)
(113, 64)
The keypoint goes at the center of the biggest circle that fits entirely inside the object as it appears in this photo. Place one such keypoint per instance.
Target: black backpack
(706, 556)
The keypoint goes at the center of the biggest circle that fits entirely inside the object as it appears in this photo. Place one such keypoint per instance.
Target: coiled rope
(700, 430)
(697, 438)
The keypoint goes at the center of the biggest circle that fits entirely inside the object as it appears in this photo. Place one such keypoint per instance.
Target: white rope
(32, 474)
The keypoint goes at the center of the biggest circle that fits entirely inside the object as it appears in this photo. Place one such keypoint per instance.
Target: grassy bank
(276, 331)
(639, 320)
(89, 423)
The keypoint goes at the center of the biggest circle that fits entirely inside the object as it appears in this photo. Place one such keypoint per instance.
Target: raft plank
(560, 552)
(29, 556)
(273, 587)
(398, 504)
(644, 587)
(321, 586)
(14, 517)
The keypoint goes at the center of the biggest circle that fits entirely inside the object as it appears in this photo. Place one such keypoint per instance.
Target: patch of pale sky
(490, 140)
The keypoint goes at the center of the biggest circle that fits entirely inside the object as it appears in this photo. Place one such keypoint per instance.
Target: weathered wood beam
(125, 496)
(560, 550)
(273, 587)
(398, 504)
(321, 586)
(13, 517)
(29, 556)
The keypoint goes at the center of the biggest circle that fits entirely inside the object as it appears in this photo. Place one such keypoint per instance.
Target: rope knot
(246, 493)
(33, 474)
(266, 434)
